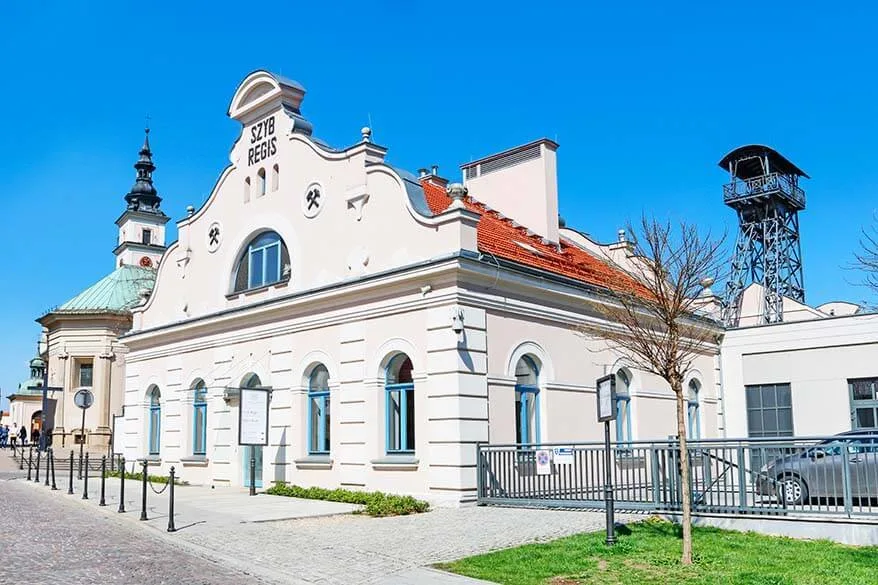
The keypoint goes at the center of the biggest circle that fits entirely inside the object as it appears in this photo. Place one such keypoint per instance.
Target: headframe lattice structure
(764, 191)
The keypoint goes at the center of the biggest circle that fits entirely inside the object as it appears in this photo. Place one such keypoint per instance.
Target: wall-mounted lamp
(457, 322)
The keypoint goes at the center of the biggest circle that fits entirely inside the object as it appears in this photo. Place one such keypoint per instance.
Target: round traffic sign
(83, 398)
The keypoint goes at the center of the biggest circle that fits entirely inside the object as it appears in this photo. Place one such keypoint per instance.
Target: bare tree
(654, 320)
(867, 257)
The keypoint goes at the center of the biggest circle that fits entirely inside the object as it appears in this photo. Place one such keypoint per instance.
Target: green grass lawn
(649, 552)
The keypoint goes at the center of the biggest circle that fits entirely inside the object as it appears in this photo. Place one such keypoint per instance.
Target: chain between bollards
(122, 485)
(103, 480)
(143, 496)
(85, 478)
(30, 461)
(37, 473)
(70, 485)
(171, 527)
(52, 459)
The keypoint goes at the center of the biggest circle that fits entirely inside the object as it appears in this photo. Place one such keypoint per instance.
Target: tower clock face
(146, 262)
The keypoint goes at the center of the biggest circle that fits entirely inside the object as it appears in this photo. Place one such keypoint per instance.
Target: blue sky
(644, 99)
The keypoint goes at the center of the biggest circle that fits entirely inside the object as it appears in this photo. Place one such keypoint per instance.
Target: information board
(253, 417)
(606, 392)
(562, 455)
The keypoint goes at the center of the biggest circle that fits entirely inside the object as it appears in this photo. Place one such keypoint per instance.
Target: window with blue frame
(318, 411)
(265, 261)
(399, 389)
(692, 411)
(527, 403)
(155, 421)
(623, 408)
(199, 418)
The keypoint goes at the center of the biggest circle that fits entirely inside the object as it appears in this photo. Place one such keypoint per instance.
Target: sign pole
(252, 470)
(606, 395)
(83, 399)
(608, 487)
(81, 442)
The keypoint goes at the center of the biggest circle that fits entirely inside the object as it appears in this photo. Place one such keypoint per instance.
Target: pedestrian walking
(13, 435)
(22, 434)
(4, 436)
(35, 436)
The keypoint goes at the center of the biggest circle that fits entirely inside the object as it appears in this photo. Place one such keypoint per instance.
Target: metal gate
(803, 476)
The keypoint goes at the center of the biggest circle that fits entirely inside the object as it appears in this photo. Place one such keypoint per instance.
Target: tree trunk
(686, 559)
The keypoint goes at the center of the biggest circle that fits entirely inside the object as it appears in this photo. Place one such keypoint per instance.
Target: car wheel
(795, 491)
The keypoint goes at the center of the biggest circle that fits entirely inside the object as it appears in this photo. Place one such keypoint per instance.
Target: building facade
(814, 374)
(397, 320)
(82, 334)
(26, 404)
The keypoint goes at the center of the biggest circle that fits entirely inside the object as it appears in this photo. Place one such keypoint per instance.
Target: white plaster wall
(816, 357)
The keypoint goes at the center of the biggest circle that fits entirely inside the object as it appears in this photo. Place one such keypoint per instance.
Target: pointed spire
(143, 195)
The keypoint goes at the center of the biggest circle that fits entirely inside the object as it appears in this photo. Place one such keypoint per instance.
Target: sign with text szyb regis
(263, 142)
(253, 417)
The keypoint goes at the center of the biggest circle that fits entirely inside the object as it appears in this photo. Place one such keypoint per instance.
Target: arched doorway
(36, 422)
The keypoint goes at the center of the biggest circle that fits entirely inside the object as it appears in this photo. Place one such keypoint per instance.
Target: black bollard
(103, 480)
(30, 461)
(85, 482)
(79, 473)
(52, 459)
(171, 527)
(48, 465)
(70, 486)
(20, 457)
(37, 470)
(143, 494)
(122, 485)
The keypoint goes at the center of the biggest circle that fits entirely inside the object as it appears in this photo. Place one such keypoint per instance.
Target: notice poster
(118, 433)
(253, 417)
(544, 462)
(562, 455)
(606, 392)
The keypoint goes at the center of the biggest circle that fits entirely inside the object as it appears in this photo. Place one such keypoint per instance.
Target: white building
(398, 322)
(815, 373)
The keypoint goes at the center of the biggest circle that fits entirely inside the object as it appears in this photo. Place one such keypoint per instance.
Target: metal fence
(791, 476)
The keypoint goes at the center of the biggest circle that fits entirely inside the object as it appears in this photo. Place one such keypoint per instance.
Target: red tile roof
(500, 237)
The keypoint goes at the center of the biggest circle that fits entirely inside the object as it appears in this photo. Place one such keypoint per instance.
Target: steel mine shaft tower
(764, 191)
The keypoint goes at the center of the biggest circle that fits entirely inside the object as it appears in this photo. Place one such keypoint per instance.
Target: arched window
(692, 409)
(155, 421)
(260, 183)
(527, 392)
(265, 261)
(400, 390)
(251, 381)
(275, 178)
(623, 407)
(199, 418)
(247, 190)
(318, 410)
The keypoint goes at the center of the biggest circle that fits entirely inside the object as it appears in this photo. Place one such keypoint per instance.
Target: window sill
(314, 462)
(194, 461)
(260, 289)
(395, 463)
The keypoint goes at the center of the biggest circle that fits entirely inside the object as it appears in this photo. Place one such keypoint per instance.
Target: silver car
(823, 470)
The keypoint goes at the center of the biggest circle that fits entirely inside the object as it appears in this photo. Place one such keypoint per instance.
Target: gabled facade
(398, 320)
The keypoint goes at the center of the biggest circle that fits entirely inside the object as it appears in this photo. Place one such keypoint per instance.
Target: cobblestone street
(96, 545)
(48, 539)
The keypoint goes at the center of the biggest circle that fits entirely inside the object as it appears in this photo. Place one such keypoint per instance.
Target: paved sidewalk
(290, 541)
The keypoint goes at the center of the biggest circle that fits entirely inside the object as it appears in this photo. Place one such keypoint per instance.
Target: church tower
(142, 225)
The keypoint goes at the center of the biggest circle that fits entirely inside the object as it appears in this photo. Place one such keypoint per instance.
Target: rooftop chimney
(520, 183)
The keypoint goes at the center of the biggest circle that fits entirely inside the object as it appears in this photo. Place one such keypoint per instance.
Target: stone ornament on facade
(313, 200)
(214, 237)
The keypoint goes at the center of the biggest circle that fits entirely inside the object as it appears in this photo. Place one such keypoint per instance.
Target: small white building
(397, 320)
(814, 374)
